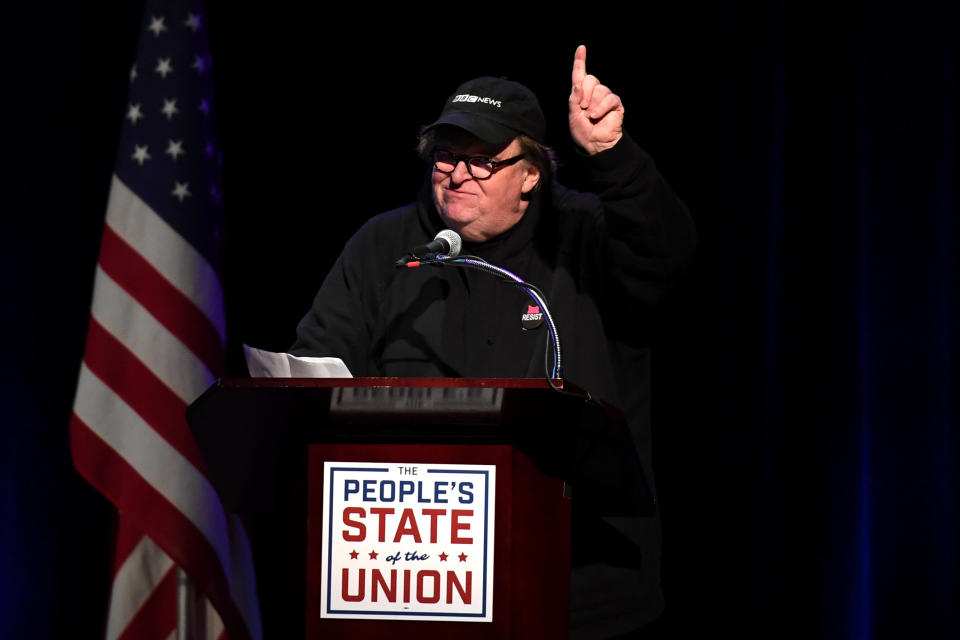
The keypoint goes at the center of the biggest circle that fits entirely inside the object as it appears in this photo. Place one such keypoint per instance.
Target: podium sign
(408, 541)
(324, 469)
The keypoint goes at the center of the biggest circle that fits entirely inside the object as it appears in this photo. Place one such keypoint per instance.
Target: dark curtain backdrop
(805, 370)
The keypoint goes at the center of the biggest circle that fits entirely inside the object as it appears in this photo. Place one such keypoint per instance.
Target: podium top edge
(485, 383)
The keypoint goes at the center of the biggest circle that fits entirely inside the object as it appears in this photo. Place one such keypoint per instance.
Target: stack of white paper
(267, 364)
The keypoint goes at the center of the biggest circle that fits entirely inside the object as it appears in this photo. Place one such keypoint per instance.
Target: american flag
(156, 340)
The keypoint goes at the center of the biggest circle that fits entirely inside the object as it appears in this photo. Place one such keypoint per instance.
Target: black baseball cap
(495, 110)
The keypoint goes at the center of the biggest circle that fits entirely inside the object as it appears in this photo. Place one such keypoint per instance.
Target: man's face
(481, 209)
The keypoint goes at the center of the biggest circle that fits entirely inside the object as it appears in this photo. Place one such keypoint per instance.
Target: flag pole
(186, 597)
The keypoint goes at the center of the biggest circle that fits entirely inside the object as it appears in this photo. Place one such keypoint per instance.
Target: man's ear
(531, 179)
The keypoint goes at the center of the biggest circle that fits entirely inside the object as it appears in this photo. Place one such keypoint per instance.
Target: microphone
(447, 242)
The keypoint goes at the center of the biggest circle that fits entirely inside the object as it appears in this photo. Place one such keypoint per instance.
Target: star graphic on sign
(174, 148)
(443, 557)
(170, 108)
(180, 190)
(140, 154)
(163, 67)
(373, 555)
(353, 555)
(134, 113)
(463, 557)
(193, 22)
(204, 106)
(133, 73)
(156, 25)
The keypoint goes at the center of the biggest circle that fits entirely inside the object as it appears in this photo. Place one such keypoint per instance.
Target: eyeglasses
(480, 167)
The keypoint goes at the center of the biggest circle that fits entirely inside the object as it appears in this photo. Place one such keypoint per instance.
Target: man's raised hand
(596, 113)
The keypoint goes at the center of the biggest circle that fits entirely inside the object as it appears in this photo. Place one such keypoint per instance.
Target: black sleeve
(645, 234)
(337, 322)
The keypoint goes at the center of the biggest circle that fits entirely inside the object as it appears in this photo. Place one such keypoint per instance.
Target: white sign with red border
(411, 541)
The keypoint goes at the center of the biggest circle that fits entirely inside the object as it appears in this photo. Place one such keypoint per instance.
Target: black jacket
(603, 258)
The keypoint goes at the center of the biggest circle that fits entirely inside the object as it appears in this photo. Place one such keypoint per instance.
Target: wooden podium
(265, 442)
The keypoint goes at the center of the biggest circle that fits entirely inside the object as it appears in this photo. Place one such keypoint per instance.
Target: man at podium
(602, 257)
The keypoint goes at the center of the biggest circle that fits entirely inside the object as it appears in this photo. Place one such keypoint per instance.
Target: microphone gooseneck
(444, 251)
(482, 265)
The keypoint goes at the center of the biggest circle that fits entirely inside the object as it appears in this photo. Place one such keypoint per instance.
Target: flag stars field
(163, 67)
(156, 25)
(181, 191)
(140, 154)
(175, 149)
(134, 113)
(192, 22)
(201, 63)
(170, 108)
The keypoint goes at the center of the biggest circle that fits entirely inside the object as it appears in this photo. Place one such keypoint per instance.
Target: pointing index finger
(579, 65)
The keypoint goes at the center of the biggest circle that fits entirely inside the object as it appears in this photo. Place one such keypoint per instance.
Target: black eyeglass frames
(480, 167)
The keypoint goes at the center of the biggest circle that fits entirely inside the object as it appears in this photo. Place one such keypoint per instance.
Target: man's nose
(460, 172)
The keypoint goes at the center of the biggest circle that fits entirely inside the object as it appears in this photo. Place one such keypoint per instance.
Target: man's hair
(539, 155)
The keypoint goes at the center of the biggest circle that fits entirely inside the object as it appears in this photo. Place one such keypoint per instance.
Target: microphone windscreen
(453, 239)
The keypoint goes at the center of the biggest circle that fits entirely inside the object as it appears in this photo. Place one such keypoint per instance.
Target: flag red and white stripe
(156, 341)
